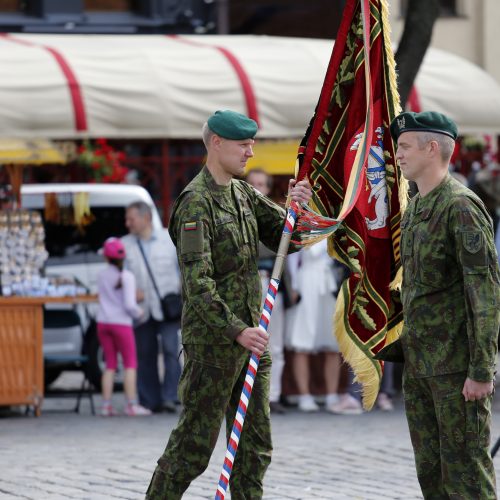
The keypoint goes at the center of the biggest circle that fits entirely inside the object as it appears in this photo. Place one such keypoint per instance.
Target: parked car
(73, 252)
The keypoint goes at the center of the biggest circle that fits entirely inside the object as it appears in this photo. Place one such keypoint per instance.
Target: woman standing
(311, 329)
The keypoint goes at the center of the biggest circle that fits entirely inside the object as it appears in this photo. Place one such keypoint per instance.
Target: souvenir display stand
(21, 354)
(25, 290)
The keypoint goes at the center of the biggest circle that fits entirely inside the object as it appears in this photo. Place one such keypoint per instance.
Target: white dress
(311, 320)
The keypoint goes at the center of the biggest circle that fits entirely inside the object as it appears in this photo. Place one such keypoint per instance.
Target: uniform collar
(220, 194)
(425, 205)
(214, 188)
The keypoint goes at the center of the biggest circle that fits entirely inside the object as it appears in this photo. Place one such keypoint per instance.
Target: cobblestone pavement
(64, 455)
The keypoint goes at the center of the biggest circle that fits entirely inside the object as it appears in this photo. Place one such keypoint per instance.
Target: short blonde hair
(206, 134)
(446, 144)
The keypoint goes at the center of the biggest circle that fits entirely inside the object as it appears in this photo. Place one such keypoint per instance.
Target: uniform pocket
(226, 254)
(430, 263)
(478, 417)
(209, 373)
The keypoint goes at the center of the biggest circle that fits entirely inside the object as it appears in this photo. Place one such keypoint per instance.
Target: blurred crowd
(308, 371)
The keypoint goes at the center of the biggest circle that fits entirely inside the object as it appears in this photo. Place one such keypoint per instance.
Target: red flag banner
(349, 157)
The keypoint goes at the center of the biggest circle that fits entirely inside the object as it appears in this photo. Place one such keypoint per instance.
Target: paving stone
(63, 455)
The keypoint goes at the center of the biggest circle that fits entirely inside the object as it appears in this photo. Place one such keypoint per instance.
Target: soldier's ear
(216, 141)
(434, 148)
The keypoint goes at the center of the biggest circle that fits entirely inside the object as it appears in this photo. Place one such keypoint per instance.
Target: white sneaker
(307, 403)
(108, 411)
(331, 399)
(135, 410)
(348, 405)
(384, 402)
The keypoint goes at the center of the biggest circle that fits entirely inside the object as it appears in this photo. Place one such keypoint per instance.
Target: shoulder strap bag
(171, 303)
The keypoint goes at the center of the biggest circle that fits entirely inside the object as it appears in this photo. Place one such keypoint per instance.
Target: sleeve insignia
(191, 240)
(472, 241)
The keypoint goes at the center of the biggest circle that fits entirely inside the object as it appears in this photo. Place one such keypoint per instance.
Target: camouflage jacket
(450, 292)
(216, 230)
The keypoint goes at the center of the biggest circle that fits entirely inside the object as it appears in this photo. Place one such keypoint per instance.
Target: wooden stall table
(21, 348)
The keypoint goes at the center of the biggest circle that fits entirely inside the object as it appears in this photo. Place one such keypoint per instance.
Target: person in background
(261, 181)
(216, 224)
(311, 323)
(451, 310)
(158, 249)
(386, 393)
(117, 308)
(349, 402)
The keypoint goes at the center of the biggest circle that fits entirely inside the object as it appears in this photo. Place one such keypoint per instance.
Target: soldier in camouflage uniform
(451, 307)
(216, 225)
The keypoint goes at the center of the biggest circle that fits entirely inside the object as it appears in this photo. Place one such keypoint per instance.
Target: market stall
(153, 86)
(24, 288)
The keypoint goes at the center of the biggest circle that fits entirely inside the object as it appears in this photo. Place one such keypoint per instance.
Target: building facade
(465, 28)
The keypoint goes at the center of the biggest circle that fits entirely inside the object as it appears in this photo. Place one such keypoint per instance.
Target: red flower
(103, 162)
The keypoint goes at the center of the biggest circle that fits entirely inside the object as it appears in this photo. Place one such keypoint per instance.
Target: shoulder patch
(472, 241)
(191, 238)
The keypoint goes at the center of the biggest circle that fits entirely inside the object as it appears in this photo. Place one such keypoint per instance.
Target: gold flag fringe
(389, 56)
(394, 333)
(366, 371)
(393, 90)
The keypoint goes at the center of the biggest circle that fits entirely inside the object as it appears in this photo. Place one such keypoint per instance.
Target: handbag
(171, 303)
(171, 306)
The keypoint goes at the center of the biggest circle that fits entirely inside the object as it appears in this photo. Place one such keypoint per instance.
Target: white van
(73, 252)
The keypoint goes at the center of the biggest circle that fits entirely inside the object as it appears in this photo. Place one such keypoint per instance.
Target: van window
(69, 244)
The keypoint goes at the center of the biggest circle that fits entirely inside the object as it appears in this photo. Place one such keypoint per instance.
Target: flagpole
(253, 365)
(317, 227)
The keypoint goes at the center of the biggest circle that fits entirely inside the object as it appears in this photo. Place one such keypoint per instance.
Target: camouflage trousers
(450, 438)
(209, 389)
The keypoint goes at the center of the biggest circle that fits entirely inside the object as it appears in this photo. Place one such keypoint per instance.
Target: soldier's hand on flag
(300, 192)
(474, 390)
(253, 339)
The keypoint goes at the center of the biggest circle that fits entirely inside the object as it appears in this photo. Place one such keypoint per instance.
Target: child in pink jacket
(117, 308)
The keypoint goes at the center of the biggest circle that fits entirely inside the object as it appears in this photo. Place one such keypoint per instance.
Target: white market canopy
(70, 86)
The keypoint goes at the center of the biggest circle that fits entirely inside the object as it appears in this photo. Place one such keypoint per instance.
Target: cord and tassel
(313, 227)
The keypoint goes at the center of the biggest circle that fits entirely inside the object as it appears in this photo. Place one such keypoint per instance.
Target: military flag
(349, 157)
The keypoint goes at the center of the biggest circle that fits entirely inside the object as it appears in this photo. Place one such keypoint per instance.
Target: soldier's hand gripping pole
(253, 365)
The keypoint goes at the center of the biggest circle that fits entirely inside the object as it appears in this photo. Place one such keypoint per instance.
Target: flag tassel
(313, 227)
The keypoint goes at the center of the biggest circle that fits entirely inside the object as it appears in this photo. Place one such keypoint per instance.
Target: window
(448, 8)
(69, 245)
(10, 6)
(108, 5)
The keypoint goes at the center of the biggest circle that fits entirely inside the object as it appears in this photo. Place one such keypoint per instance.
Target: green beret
(427, 121)
(231, 125)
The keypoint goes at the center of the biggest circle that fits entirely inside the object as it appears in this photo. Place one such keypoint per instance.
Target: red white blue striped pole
(253, 365)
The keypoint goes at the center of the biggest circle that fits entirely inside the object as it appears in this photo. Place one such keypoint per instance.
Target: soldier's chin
(407, 176)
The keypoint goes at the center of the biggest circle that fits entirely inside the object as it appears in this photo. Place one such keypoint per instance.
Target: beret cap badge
(426, 121)
(232, 125)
